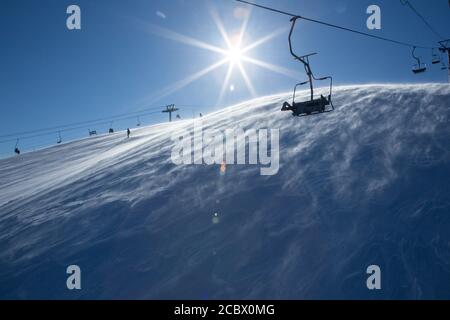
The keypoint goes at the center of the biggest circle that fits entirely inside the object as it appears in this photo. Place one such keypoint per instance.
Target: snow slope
(366, 184)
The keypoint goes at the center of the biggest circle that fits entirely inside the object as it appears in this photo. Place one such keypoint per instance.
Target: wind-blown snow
(366, 184)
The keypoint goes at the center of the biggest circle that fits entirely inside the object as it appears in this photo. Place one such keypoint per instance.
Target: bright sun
(234, 55)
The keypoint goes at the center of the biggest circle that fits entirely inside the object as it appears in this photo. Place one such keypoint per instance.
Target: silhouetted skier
(128, 132)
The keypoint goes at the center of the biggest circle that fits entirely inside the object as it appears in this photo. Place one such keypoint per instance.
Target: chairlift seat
(417, 70)
(308, 107)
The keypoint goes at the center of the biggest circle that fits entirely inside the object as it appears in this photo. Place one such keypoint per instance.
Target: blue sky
(120, 61)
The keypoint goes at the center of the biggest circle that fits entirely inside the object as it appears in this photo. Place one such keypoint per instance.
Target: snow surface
(366, 184)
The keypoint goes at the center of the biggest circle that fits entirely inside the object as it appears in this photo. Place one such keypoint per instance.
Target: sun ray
(247, 80)
(180, 38)
(243, 29)
(274, 68)
(226, 81)
(263, 40)
(188, 80)
(221, 28)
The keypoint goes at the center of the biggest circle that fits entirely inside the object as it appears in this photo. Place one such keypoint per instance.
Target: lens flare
(223, 168)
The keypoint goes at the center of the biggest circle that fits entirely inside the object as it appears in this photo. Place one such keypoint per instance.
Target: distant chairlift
(59, 138)
(138, 124)
(92, 132)
(111, 130)
(419, 67)
(435, 58)
(16, 148)
(313, 105)
(443, 65)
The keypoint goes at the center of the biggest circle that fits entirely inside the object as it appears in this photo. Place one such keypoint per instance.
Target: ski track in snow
(366, 184)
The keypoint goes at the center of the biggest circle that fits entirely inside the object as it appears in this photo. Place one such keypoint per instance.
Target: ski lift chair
(16, 148)
(313, 105)
(419, 67)
(435, 58)
(59, 139)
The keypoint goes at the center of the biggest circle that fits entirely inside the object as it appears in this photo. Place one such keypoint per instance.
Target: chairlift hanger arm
(304, 59)
(414, 56)
(294, 20)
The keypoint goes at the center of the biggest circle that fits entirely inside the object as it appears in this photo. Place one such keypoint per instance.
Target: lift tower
(445, 48)
(169, 109)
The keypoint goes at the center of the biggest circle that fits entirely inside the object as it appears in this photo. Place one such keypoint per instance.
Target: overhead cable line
(76, 123)
(406, 44)
(72, 128)
(408, 3)
(79, 125)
